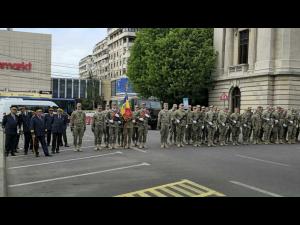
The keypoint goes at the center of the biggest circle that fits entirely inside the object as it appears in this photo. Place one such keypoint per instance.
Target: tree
(173, 63)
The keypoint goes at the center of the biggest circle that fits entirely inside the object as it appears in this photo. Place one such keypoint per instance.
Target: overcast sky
(69, 45)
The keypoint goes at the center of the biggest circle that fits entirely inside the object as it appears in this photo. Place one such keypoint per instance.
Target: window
(243, 47)
(62, 88)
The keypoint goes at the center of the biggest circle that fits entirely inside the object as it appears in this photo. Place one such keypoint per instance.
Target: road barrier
(2, 166)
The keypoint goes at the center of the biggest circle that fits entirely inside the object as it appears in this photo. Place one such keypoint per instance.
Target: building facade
(100, 60)
(257, 66)
(85, 66)
(25, 62)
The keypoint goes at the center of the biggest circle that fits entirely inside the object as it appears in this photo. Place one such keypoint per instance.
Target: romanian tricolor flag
(125, 109)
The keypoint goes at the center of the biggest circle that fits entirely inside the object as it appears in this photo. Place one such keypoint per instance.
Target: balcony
(238, 70)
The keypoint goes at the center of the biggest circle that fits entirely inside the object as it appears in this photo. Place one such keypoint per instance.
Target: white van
(6, 103)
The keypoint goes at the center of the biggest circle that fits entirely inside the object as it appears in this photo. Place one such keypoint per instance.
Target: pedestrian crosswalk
(183, 188)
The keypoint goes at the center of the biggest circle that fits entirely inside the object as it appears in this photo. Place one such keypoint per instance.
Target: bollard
(2, 166)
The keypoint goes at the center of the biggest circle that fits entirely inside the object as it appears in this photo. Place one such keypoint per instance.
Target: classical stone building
(85, 66)
(257, 66)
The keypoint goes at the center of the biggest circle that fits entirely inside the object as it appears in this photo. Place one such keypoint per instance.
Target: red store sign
(16, 66)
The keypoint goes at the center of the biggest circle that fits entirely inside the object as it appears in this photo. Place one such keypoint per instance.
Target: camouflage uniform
(142, 117)
(163, 123)
(283, 126)
(113, 117)
(188, 130)
(97, 128)
(106, 129)
(127, 132)
(276, 128)
(235, 121)
(120, 133)
(172, 138)
(181, 121)
(135, 135)
(268, 126)
(211, 126)
(223, 125)
(257, 125)
(77, 124)
(292, 126)
(246, 126)
(196, 128)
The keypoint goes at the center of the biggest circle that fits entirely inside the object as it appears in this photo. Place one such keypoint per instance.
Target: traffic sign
(224, 97)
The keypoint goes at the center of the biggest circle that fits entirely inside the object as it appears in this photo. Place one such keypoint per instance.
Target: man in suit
(11, 124)
(58, 124)
(25, 118)
(38, 130)
(49, 121)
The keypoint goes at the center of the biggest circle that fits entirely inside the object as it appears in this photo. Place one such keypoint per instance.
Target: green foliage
(173, 63)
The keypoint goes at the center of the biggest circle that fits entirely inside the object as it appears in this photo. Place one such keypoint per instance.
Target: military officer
(202, 126)
(275, 136)
(135, 135)
(78, 126)
(223, 125)
(64, 131)
(180, 117)
(143, 116)
(246, 125)
(106, 127)
(38, 131)
(163, 124)
(257, 125)
(172, 138)
(25, 119)
(113, 117)
(11, 124)
(291, 121)
(188, 130)
(210, 125)
(268, 124)
(58, 124)
(120, 136)
(235, 119)
(196, 128)
(283, 126)
(49, 120)
(98, 127)
(127, 129)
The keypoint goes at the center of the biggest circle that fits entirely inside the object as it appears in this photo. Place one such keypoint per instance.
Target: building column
(252, 48)
(228, 61)
(265, 56)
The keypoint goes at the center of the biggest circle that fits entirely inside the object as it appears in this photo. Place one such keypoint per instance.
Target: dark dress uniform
(25, 120)
(58, 124)
(49, 120)
(64, 131)
(10, 124)
(38, 127)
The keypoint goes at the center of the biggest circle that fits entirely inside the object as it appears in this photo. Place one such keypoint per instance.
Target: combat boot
(195, 145)
(110, 146)
(96, 148)
(79, 149)
(182, 144)
(75, 148)
(178, 145)
(114, 146)
(166, 145)
(162, 146)
(140, 146)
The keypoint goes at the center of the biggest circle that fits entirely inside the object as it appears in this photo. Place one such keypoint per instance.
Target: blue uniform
(58, 125)
(49, 121)
(25, 120)
(38, 127)
(10, 125)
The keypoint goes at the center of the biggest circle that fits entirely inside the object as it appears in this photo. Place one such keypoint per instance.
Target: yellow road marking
(184, 191)
(182, 187)
(170, 192)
